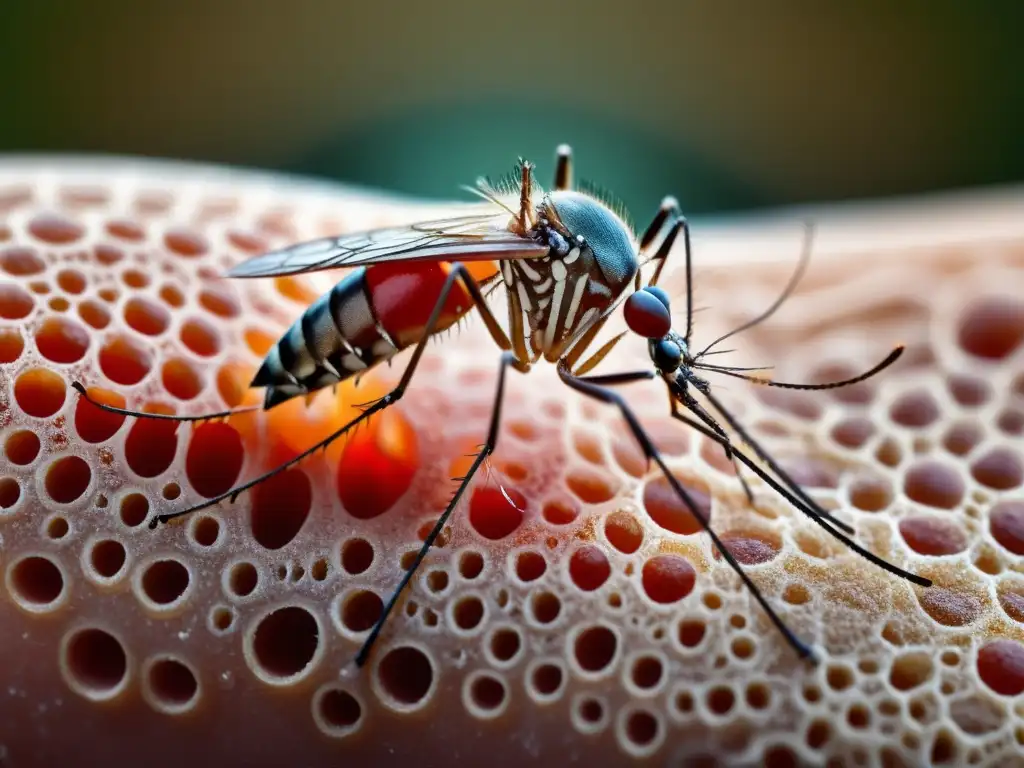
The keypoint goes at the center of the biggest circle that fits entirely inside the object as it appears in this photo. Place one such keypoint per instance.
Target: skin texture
(574, 610)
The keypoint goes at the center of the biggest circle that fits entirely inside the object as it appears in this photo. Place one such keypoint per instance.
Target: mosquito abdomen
(368, 317)
(336, 337)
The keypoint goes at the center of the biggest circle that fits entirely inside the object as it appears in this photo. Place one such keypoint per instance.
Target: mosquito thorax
(572, 220)
(591, 261)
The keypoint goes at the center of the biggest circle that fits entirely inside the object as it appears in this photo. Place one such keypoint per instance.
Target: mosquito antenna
(801, 267)
(719, 352)
(163, 416)
(696, 310)
(724, 368)
(892, 358)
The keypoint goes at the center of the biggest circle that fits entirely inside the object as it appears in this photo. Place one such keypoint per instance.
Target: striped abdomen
(370, 316)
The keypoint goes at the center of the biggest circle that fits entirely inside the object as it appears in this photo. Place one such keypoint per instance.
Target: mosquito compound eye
(662, 296)
(667, 355)
(647, 316)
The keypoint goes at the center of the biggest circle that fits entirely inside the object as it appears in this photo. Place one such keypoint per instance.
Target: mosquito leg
(825, 522)
(78, 387)
(563, 168)
(743, 482)
(595, 359)
(712, 430)
(584, 343)
(458, 272)
(615, 379)
(603, 395)
(507, 360)
(812, 510)
(723, 438)
(695, 407)
(669, 207)
(762, 454)
(679, 224)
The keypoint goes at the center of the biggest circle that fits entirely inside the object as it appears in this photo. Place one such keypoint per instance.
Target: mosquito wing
(474, 237)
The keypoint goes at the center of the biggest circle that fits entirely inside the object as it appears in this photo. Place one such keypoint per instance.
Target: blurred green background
(728, 105)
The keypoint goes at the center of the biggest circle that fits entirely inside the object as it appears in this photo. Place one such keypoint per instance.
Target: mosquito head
(648, 314)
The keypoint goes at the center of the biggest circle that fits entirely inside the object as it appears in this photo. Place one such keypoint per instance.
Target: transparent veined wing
(474, 237)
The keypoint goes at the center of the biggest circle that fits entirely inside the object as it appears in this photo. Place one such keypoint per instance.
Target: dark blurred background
(728, 105)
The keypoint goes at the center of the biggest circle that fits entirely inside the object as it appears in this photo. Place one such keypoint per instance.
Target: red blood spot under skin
(200, 337)
(530, 565)
(935, 484)
(39, 392)
(932, 535)
(151, 444)
(747, 549)
(560, 513)
(491, 514)
(591, 487)
(949, 608)
(93, 424)
(624, 532)
(377, 466)
(1001, 666)
(146, 317)
(11, 345)
(246, 241)
(1013, 604)
(993, 328)
(214, 458)
(670, 512)
(967, 390)
(180, 379)
(808, 472)
(589, 568)
(125, 230)
(15, 302)
(1006, 521)
(999, 468)
(961, 438)
(124, 361)
(62, 340)
(668, 578)
(280, 507)
(21, 262)
(185, 242)
(914, 409)
(56, 230)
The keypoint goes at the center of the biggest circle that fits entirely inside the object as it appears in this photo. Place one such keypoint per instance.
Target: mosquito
(567, 261)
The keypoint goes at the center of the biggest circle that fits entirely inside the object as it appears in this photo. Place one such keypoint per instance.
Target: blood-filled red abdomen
(404, 294)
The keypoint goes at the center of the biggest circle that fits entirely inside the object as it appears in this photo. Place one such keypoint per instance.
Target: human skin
(593, 623)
